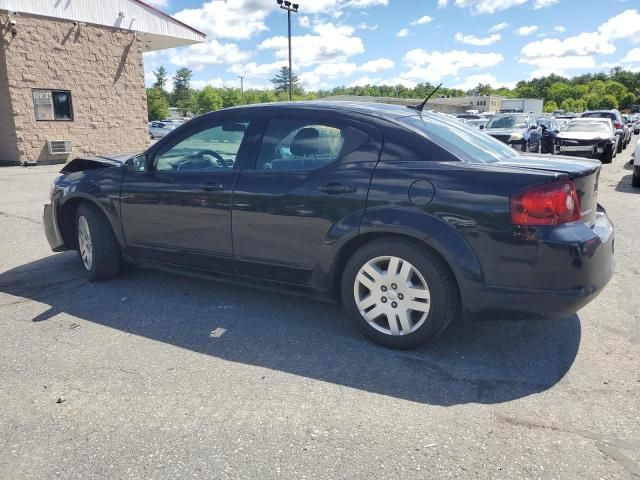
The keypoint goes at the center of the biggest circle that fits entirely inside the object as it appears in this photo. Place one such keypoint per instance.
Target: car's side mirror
(481, 127)
(138, 164)
(533, 127)
(556, 131)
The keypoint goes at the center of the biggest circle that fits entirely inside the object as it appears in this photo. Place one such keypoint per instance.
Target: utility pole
(241, 77)
(289, 7)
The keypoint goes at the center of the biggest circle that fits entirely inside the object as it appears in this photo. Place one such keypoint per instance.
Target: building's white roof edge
(132, 15)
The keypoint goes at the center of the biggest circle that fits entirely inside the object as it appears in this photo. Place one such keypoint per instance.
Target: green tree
(550, 107)
(627, 101)
(281, 82)
(182, 97)
(609, 101)
(559, 92)
(157, 105)
(207, 100)
(231, 97)
(161, 78)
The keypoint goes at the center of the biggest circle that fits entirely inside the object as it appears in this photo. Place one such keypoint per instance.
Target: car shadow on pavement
(483, 362)
(624, 185)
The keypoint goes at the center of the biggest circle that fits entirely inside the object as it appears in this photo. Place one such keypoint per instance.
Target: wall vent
(59, 147)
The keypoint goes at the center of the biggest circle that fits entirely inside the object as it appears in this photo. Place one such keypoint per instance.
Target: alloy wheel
(392, 295)
(85, 245)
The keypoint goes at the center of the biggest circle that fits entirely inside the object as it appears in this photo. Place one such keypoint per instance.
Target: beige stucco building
(72, 76)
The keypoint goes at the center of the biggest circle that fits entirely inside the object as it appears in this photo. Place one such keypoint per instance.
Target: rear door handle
(337, 188)
(213, 187)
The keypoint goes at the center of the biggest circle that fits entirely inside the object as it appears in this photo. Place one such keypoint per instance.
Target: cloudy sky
(355, 42)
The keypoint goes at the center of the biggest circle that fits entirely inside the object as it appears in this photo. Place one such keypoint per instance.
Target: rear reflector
(551, 204)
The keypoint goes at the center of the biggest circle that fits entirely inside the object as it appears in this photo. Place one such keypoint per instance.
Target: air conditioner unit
(59, 147)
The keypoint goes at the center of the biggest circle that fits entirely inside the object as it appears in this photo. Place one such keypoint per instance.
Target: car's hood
(583, 136)
(96, 161)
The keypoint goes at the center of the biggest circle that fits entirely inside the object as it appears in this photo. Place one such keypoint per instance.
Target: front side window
(299, 145)
(52, 105)
(212, 149)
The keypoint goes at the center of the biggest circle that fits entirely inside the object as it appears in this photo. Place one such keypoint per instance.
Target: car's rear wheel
(398, 294)
(97, 245)
(635, 180)
(619, 145)
(609, 153)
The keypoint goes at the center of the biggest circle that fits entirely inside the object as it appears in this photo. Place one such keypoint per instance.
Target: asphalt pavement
(160, 376)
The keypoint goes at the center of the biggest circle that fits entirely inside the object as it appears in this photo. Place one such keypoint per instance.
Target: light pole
(289, 7)
(241, 77)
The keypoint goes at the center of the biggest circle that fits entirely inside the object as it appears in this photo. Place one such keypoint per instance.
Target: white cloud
(625, 25)
(498, 27)
(589, 43)
(526, 30)
(434, 65)
(158, 3)
(478, 41)
(538, 4)
(443, 3)
(403, 33)
(327, 43)
(472, 81)
(488, 6)
(339, 69)
(149, 78)
(210, 52)
(632, 56)
(377, 65)
(256, 70)
(362, 81)
(304, 21)
(422, 20)
(559, 65)
(559, 29)
(240, 19)
(367, 3)
(366, 26)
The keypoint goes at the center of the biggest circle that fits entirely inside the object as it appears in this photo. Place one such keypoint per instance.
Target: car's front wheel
(97, 245)
(619, 145)
(398, 294)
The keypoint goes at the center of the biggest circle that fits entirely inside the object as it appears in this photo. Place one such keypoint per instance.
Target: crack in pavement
(609, 446)
(20, 217)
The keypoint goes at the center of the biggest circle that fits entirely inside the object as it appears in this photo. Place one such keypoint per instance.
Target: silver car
(159, 129)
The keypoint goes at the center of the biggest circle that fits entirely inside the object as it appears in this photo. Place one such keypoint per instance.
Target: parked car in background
(635, 179)
(409, 218)
(518, 130)
(480, 124)
(590, 138)
(159, 129)
(550, 129)
(622, 130)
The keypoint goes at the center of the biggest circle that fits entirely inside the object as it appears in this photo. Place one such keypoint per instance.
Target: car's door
(178, 210)
(308, 189)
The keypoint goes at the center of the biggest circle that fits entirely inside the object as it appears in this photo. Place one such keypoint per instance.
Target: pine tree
(161, 78)
(281, 82)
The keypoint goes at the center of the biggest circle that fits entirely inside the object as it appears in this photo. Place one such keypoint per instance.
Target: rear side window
(302, 145)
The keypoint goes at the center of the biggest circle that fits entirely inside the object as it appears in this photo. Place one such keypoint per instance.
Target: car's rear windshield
(610, 115)
(464, 141)
(598, 127)
(508, 121)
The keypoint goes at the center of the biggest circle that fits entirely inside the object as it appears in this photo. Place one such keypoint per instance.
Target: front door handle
(337, 188)
(213, 187)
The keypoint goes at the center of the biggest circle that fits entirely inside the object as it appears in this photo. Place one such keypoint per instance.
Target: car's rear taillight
(617, 124)
(551, 204)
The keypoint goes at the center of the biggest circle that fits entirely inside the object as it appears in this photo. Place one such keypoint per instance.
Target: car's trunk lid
(584, 173)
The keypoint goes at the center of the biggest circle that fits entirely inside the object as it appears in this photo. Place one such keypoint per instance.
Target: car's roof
(366, 108)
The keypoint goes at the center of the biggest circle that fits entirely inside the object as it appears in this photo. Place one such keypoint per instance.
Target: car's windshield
(546, 122)
(599, 127)
(508, 121)
(465, 142)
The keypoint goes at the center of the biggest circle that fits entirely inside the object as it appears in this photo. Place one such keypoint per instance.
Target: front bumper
(571, 268)
(51, 228)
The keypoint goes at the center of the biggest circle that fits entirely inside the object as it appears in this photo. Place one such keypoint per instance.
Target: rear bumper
(51, 229)
(578, 268)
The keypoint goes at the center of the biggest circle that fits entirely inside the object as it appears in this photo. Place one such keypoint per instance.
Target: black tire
(619, 145)
(444, 300)
(635, 180)
(106, 259)
(607, 156)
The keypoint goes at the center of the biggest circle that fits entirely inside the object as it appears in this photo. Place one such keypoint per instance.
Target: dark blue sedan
(410, 219)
